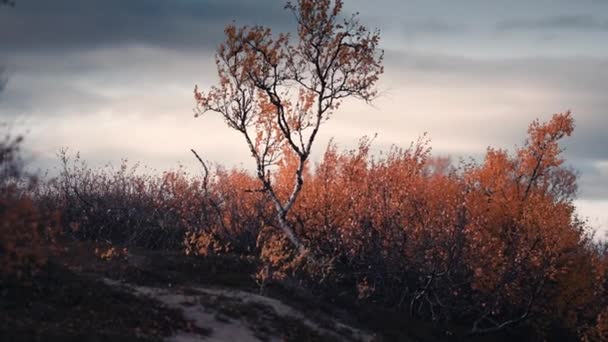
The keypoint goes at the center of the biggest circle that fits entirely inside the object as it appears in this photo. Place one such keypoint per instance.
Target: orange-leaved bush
(493, 243)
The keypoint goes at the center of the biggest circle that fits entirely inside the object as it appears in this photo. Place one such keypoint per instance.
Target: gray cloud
(433, 27)
(582, 22)
(592, 182)
(78, 24)
(512, 92)
(2, 79)
(581, 76)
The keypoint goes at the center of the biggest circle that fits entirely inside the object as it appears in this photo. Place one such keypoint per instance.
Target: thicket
(493, 245)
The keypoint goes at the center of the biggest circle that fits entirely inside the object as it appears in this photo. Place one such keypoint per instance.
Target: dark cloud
(78, 24)
(2, 79)
(583, 22)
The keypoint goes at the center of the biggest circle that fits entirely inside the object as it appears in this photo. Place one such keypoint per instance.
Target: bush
(492, 245)
(26, 231)
(134, 207)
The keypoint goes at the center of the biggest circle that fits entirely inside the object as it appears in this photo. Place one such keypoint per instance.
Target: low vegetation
(472, 249)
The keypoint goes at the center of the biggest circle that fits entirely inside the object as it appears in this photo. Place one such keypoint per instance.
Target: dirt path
(232, 315)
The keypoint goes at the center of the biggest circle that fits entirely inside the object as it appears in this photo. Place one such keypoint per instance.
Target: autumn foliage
(495, 243)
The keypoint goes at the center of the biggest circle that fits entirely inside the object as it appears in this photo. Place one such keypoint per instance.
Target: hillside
(153, 296)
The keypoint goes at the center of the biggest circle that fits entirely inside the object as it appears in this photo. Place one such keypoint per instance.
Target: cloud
(2, 79)
(593, 182)
(79, 24)
(503, 95)
(491, 101)
(117, 79)
(582, 22)
(433, 27)
(595, 212)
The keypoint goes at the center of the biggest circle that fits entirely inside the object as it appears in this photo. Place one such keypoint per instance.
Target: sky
(114, 79)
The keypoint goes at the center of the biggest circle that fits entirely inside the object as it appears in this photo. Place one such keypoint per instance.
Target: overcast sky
(114, 78)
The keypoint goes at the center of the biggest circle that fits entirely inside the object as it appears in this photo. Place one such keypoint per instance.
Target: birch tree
(278, 90)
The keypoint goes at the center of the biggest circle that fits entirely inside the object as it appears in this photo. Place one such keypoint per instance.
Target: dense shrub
(132, 206)
(490, 245)
(493, 244)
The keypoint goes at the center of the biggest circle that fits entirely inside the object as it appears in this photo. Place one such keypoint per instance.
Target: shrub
(26, 231)
(491, 245)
